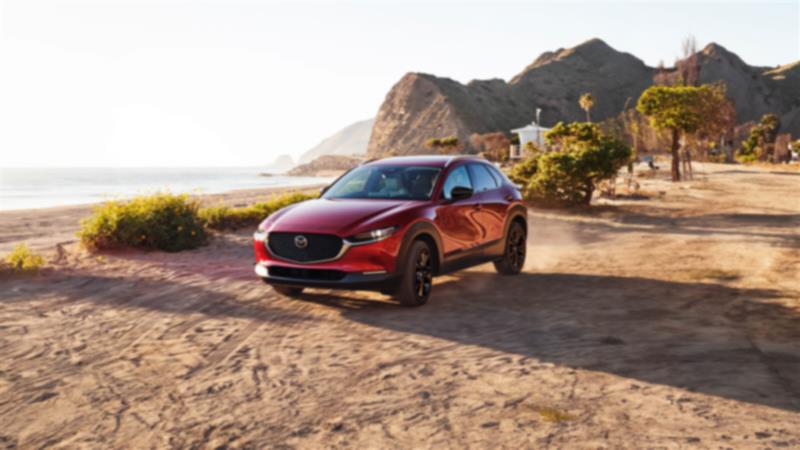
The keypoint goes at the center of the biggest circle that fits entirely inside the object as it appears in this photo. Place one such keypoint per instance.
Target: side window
(498, 177)
(458, 177)
(484, 181)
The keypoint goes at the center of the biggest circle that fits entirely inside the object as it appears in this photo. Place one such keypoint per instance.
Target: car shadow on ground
(701, 337)
(730, 342)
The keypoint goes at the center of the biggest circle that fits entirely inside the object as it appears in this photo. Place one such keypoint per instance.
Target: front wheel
(417, 280)
(514, 255)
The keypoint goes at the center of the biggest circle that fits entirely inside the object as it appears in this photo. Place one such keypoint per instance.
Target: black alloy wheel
(423, 275)
(417, 280)
(514, 256)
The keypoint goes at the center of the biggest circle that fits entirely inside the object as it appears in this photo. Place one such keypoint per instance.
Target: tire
(417, 279)
(288, 291)
(513, 259)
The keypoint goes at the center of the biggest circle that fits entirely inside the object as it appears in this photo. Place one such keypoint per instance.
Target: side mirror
(460, 193)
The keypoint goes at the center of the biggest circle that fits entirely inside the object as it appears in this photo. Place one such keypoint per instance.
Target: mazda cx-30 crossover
(391, 225)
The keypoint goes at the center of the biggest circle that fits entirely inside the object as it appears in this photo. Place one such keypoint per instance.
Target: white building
(532, 132)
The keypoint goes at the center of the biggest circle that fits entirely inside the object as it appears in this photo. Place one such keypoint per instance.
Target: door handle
(509, 197)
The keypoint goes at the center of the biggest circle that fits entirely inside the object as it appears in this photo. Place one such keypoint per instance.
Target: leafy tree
(678, 109)
(717, 111)
(587, 103)
(719, 118)
(445, 145)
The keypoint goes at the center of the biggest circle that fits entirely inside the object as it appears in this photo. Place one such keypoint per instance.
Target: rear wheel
(417, 280)
(514, 255)
(288, 291)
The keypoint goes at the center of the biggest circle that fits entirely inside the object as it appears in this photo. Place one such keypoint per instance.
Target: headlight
(372, 236)
(261, 232)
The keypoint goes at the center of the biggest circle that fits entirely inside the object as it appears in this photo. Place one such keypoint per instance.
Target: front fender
(415, 231)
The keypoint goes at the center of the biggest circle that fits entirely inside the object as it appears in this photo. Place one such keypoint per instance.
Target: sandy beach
(666, 322)
(43, 228)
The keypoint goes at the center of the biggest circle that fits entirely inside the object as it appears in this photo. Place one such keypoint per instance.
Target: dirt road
(671, 322)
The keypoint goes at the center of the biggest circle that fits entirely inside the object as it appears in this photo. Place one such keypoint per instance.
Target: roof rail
(459, 157)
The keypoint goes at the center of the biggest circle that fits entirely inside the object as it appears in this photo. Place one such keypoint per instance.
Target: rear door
(490, 205)
(456, 219)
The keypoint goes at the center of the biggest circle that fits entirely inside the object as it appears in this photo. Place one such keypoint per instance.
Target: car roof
(423, 160)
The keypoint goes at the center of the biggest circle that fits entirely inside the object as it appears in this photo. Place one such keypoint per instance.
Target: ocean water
(23, 188)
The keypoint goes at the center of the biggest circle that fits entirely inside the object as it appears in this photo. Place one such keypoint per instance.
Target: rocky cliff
(421, 106)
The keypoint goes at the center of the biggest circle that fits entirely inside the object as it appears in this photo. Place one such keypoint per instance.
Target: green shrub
(746, 158)
(227, 218)
(22, 259)
(446, 145)
(718, 157)
(565, 134)
(523, 171)
(161, 221)
(762, 134)
(570, 176)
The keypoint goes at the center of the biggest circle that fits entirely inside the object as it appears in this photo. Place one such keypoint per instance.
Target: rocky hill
(785, 83)
(421, 106)
(351, 140)
(326, 165)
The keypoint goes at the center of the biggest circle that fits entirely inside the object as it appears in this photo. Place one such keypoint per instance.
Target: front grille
(318, 246)
(305, 274)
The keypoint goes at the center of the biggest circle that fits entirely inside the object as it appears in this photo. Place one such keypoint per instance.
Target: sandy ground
(670, 322)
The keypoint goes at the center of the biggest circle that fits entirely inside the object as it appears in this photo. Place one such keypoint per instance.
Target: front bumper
(378, 256)
(294, 276)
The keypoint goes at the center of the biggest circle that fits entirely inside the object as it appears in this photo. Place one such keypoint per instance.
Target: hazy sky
(171, 83)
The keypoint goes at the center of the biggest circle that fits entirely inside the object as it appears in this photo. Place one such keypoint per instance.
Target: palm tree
(587, 102)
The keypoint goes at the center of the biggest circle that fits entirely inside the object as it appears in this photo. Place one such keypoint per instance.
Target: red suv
(392, 225)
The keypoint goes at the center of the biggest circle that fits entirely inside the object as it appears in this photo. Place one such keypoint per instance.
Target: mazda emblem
(300, 241)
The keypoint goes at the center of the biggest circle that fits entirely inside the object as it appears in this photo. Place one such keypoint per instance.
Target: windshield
(386, 182)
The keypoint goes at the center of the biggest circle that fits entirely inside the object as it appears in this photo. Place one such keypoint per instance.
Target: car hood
(338, 216)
